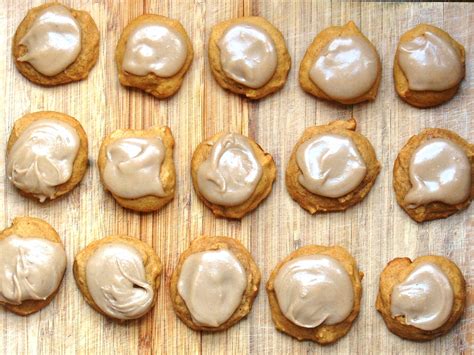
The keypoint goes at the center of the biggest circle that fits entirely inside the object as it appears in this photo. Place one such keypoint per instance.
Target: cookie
(137, 168)
(214, 284)
(55, 45)
(429, 66)
(423, 299)
(314, 293)
(128, 289)
(46, 154)
(153, 54)
(331, 168)
(232, 174)
(32, 265)
(341, 65)
(248, 56)
(433, 175)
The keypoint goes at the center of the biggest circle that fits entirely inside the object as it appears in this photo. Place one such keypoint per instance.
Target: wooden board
(375, 231)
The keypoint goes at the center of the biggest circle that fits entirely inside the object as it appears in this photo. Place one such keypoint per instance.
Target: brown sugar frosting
(212, 284)
(53, 41)
(248, 54)
(346, 68)
(155, 48)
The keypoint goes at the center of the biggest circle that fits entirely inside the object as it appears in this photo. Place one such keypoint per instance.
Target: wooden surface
(375, 231)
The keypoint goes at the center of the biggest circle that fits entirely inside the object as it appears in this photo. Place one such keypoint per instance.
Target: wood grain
(375, 231)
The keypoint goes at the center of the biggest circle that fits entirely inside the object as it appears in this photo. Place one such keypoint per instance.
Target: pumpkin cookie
(153, 54)
(423, 299)
(433, 175)
(128, 289)
(232, 174)
(331, 168)
(214, 284)
(137, 167)
(429, 66)
(315, 293)
(331, 71)
(32, 265)
(46, 154)
(248, 56)
(56, 45)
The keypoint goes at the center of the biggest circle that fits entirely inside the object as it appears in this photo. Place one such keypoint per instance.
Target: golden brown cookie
(80, 162)
(401, 176)
(31, 227)
(315, 203)
(278, 79)
(395, 273)
(314, 50)
(262, 190)
(424, 99)
(323, 334)
(152, 270)
(167, 172)
(159, 87)
(205, 243)
(84, 62)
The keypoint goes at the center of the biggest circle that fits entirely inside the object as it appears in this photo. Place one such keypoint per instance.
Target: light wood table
(375, 231)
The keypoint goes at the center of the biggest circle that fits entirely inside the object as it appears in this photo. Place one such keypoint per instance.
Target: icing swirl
(53, 41)
(314, 290)
(42, 157)
(346, 67)
(230, 174)
(31, 268)
(330, 164)
(430, 63)
(122, 291)
(248, 55)
(154, 48)
(425, 298)
(439, 171)
(133, 165)
(212, 284)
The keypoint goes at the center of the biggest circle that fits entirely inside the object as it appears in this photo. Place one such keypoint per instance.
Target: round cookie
(79, 165)
(156, 85)
(323, 333)
(166, 176)
(251, 284)
(79, 69)
(319, 44)
(261, 190)
(402, 183)
(283, 60)
(396, 272)
(315, 203)
(425, 98)
(120, 285)
(29, 227)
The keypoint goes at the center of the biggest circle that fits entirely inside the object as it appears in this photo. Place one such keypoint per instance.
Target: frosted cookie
(432, 175)
(55, 45)
(423, 299)
(341, 65)
(248, 56)
(137, 168)
(331, 168)
(232, 174)
(46, 154)
(32, 265)
(315, 293)
(128, 288)
(153, 54)
(429, 66)
(214, 284)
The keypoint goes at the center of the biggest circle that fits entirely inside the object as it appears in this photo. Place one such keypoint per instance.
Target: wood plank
(375, 231)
